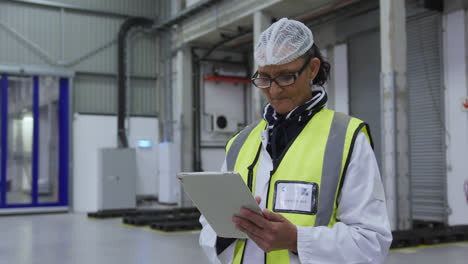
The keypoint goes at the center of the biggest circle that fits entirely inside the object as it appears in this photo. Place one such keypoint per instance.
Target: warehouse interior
(103, 102)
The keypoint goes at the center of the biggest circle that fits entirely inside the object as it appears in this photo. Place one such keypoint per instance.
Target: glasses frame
(295, 75)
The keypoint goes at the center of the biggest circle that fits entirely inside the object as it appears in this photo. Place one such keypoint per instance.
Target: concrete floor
(75, 239)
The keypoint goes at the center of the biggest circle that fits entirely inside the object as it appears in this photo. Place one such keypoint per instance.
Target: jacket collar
(319, 99)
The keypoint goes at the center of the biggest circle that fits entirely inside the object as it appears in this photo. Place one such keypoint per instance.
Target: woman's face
(286, 98)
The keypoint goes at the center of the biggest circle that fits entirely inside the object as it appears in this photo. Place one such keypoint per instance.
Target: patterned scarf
(283, 129)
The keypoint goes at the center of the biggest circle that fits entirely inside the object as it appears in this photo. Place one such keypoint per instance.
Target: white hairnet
(283, 42)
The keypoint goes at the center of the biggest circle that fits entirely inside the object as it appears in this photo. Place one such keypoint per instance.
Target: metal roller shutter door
(426, 118)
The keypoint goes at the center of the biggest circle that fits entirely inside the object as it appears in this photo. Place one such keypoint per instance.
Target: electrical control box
(117, 179)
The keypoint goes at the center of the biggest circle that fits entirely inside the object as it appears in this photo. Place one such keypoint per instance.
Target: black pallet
(148, 212)
(177, 226)
(403, 239)
(167, 220)
(460, 232)
(146, 198)
(173, 211)
(111, 213)
(429, 234)
(140, 212)
(419, 224)
(457, 233)
(147, 220)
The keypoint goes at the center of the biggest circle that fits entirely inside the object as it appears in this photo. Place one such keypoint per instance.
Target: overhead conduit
(125, 28)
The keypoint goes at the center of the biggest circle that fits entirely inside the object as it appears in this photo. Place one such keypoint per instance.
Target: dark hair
(323, 73)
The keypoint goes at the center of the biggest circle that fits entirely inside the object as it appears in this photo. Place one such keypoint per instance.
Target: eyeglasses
(282, 80)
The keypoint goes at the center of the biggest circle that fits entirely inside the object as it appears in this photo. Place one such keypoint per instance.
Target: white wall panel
(212, 159)
(144, 55)
(95, 94)
(32, 35)
(455, 70)
(143, 97)
(91, 133)
(145, 128)
(39, 26)
(84, 33)
(98, 94)
(221, 98)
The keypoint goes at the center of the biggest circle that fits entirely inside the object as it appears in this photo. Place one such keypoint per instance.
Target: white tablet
(219, 196)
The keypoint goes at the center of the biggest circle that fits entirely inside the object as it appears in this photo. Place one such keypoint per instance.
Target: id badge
(295, 197)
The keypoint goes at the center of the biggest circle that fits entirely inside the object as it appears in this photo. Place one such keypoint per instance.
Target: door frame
(63, 169)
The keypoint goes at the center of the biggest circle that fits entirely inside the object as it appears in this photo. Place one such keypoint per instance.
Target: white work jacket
(362, 234)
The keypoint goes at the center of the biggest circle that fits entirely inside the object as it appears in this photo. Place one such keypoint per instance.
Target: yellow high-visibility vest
(319, 156)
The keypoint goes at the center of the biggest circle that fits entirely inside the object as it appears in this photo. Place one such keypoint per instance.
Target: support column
(183, 104)
(340, 98)
(394, 101)
(183, 107)
(261, 22)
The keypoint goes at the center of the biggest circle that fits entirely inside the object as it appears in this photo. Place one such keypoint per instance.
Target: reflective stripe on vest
(236, 145)
(332, 140)
(333, 153)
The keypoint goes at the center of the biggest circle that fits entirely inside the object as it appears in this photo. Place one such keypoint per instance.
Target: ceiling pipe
(226, 39)
(122, 49)
(148, 24)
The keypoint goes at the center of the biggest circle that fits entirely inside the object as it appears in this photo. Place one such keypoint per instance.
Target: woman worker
(312, 170)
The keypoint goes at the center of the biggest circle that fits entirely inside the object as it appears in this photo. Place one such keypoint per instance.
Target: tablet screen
(219, 196)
